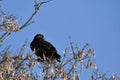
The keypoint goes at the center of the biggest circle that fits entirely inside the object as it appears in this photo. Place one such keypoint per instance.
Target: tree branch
(37, 7)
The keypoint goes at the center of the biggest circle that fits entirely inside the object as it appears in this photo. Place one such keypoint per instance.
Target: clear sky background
(96, 22)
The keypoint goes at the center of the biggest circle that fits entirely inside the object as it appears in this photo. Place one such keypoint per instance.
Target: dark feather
(44, 49)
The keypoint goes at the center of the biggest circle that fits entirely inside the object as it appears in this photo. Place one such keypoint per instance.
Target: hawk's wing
(50, 50)
(49, 47)
(40, 47)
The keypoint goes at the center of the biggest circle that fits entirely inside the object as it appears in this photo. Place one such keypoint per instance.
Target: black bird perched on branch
(43, 49)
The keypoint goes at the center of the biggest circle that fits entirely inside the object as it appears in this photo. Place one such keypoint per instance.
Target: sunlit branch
(37, 7)
(28, 22)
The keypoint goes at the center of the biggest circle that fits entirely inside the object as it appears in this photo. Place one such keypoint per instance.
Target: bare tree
(22, 65)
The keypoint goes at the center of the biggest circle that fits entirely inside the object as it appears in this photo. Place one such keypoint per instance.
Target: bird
(44, 50)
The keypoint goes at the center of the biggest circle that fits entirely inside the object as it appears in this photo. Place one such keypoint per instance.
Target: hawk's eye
(39, 36)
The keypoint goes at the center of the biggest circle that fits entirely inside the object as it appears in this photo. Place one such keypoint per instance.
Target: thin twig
(71, 46)
(4, 36)
(84, 47)
(23, 48)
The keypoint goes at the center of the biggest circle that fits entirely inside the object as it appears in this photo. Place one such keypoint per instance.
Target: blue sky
(96, 22)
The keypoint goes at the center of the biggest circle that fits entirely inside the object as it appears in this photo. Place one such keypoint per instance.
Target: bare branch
(4, 36)
(37, 7)
(10, 25)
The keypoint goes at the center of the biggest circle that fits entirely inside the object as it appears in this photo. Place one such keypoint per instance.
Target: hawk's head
(39, 36)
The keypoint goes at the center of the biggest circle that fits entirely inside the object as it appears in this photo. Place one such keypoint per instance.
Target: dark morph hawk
(43, 49)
